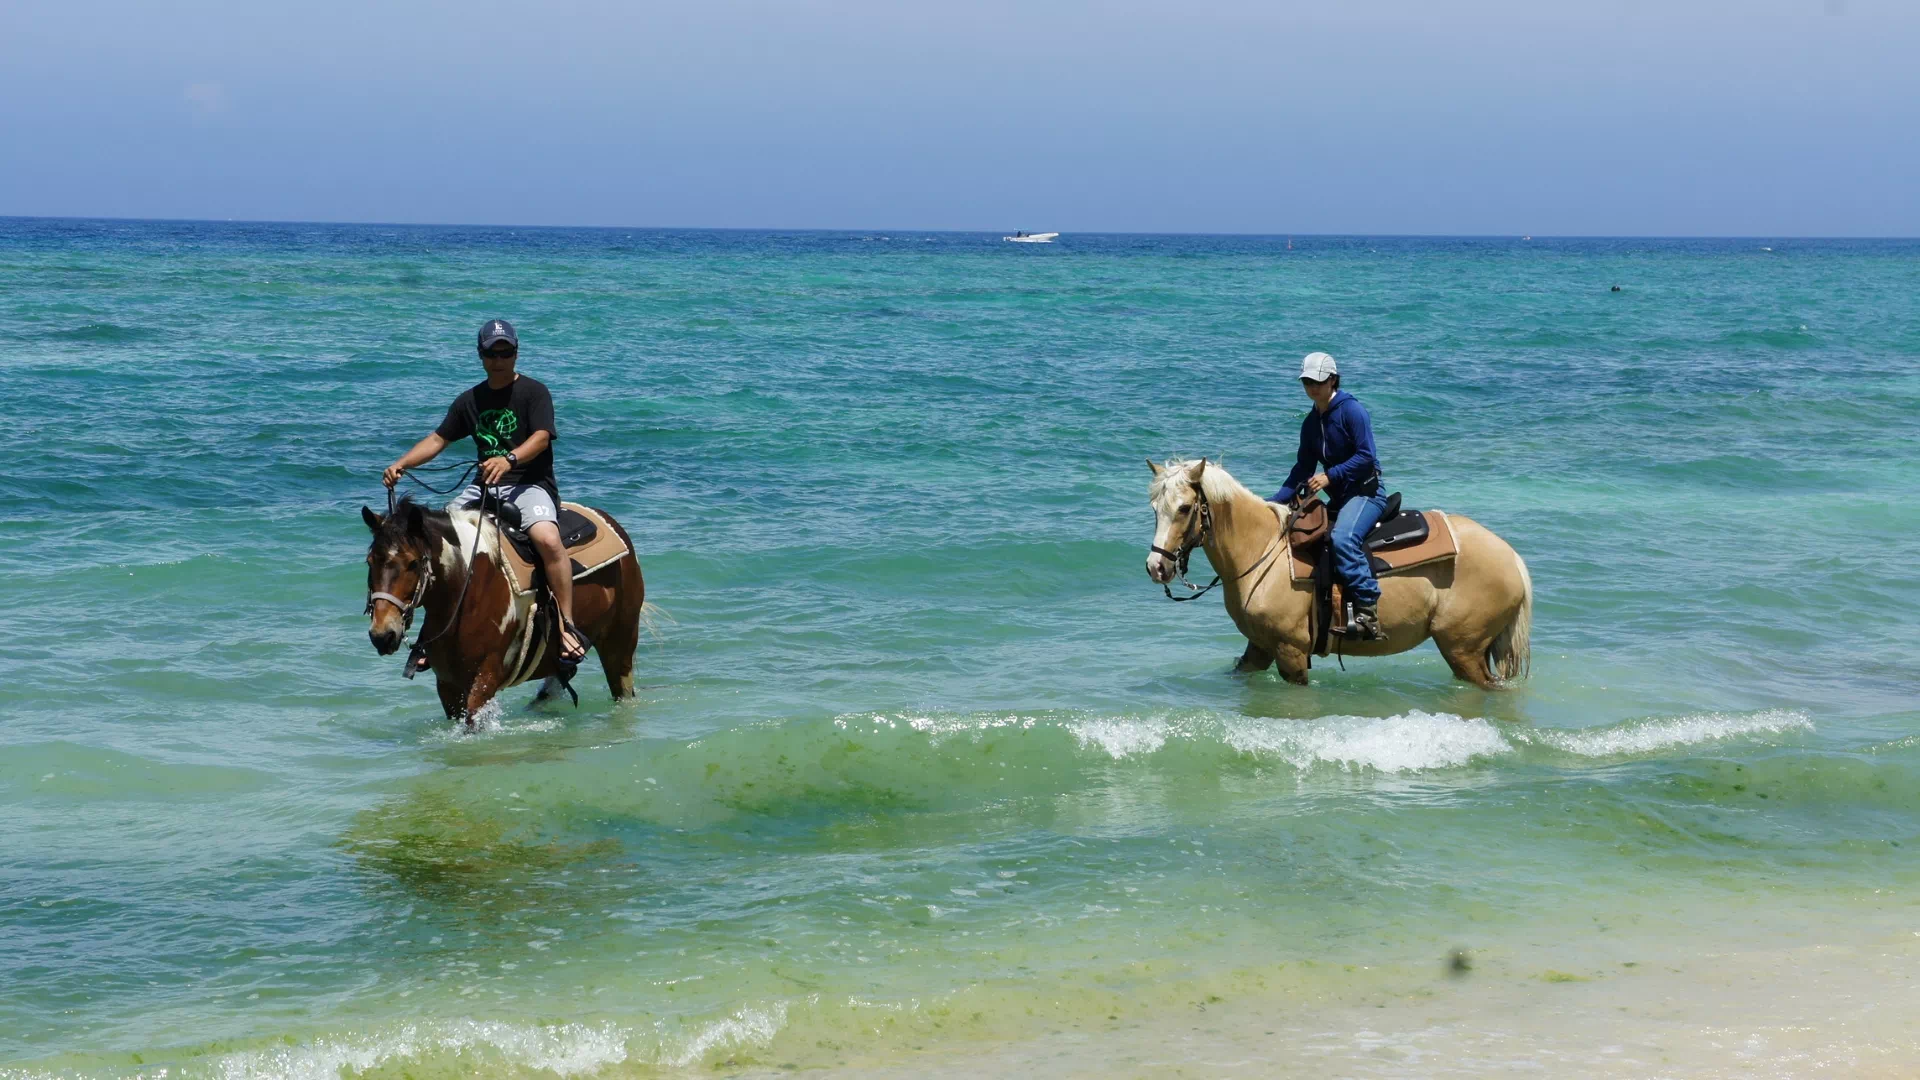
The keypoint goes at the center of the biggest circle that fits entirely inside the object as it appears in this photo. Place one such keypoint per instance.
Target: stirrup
(1364, 623)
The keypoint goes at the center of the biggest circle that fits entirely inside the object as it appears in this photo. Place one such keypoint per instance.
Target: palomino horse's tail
(1512, 653)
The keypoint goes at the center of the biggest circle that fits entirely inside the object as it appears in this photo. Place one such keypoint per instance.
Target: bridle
(407, 607)
(1190, 541)
(1185, 554)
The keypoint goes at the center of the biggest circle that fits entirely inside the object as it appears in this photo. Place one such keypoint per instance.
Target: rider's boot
(1366, 622)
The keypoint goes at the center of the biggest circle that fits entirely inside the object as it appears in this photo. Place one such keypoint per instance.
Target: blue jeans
(1351, 523)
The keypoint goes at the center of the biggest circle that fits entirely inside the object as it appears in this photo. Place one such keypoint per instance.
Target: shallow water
(922, 767)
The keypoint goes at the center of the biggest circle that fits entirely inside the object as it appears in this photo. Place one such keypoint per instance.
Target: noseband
(406, 607)
(1188, 543)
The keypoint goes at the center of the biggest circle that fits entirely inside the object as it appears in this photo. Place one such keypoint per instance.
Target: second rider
(1338, 432)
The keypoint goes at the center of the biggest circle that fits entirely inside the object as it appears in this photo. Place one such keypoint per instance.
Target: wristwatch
(513, 460)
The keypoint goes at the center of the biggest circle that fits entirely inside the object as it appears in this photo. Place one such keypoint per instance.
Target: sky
(1482, 117)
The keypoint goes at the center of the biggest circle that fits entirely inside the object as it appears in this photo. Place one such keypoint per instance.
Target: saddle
(590, 541)
(1403, 540)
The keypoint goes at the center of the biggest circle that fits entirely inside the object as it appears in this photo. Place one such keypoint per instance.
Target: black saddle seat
(575, 530)
(1397, 528)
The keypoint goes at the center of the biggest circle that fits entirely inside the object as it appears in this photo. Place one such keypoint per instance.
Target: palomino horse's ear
(1193, 474)
(1155, 466)
(372, 519)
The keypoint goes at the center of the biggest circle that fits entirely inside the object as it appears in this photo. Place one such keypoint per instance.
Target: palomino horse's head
(1181, 517)
(399, 569)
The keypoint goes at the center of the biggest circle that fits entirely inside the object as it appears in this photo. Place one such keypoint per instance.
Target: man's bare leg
(546, 539)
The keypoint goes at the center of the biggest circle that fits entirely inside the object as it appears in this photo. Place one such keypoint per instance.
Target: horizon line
(942, 231)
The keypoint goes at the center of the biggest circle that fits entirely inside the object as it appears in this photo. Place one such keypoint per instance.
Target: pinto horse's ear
(372, 519)
(416, 520)
(1155, 466)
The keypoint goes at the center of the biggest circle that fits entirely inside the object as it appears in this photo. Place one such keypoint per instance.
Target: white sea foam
(1408, 742)
(564, 1049)
(1650, 736)
(963, 724)
(493, 720)
(1122, 736)
(748, 1027)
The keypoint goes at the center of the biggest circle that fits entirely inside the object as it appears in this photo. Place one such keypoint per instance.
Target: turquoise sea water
(921, 762)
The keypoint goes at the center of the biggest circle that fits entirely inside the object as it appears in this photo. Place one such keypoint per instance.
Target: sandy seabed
(1833, 1009)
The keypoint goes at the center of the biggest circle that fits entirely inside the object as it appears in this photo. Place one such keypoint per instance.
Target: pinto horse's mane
(410, 520)
(1218, 484)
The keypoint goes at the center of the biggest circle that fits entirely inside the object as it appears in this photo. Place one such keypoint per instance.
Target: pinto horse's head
(1176, 496)
(399, 565)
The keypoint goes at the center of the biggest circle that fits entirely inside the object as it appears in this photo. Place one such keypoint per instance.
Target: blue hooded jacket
(1342, 437)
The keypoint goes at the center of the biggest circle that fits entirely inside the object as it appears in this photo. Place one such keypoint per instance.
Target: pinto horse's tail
(1511, 655)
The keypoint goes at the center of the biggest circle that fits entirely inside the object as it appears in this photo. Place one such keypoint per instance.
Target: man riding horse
(510, 417)
(1338, 433)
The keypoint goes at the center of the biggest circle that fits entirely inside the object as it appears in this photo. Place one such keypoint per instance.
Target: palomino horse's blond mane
(1215, 481)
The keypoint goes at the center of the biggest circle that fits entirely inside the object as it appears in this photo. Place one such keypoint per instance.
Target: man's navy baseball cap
(495, 331)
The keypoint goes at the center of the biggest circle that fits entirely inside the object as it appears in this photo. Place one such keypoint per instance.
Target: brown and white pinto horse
(421, 558)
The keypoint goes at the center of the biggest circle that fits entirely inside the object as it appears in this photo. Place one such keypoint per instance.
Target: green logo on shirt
(495, 432)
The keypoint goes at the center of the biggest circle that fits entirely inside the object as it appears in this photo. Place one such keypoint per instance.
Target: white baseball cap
(1319, 367)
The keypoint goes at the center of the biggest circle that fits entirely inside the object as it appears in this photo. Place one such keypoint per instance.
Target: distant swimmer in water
(1616, 288)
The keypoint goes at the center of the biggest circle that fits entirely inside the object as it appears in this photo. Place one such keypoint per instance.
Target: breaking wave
(1654, 736)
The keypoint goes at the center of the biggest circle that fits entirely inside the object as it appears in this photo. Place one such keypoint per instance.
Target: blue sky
(1687, 117)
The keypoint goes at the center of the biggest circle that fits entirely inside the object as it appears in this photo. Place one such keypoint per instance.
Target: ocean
(924, 777)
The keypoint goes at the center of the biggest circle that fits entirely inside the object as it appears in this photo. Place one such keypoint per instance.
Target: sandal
(571, 657)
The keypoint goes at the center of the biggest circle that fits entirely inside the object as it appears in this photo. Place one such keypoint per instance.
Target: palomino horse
(1477, 607)
(450, 567)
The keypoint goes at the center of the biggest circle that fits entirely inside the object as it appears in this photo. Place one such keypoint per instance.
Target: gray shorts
(532, 499)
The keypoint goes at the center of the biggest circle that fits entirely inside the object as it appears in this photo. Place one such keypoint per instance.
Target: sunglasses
(500, 352)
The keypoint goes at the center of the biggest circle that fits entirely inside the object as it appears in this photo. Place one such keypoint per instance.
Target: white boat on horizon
(1031, 238)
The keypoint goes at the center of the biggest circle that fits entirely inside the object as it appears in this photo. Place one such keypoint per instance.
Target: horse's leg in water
(549, 689)
(1254, 659)
(486, 682)
(616, 646)
(620, 636)
(451, 697)
(617, 662)
(1292, 662)
(1467, 656)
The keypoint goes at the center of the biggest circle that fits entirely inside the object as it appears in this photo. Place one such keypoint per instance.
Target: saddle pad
(604, 546)
(1438, 545)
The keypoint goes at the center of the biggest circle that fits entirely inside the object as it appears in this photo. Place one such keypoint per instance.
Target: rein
(1181, 558)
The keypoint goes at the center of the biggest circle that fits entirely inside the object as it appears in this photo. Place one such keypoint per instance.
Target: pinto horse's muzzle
(385, 642)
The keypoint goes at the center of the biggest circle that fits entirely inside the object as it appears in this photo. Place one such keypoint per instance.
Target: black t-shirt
(500, 420)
